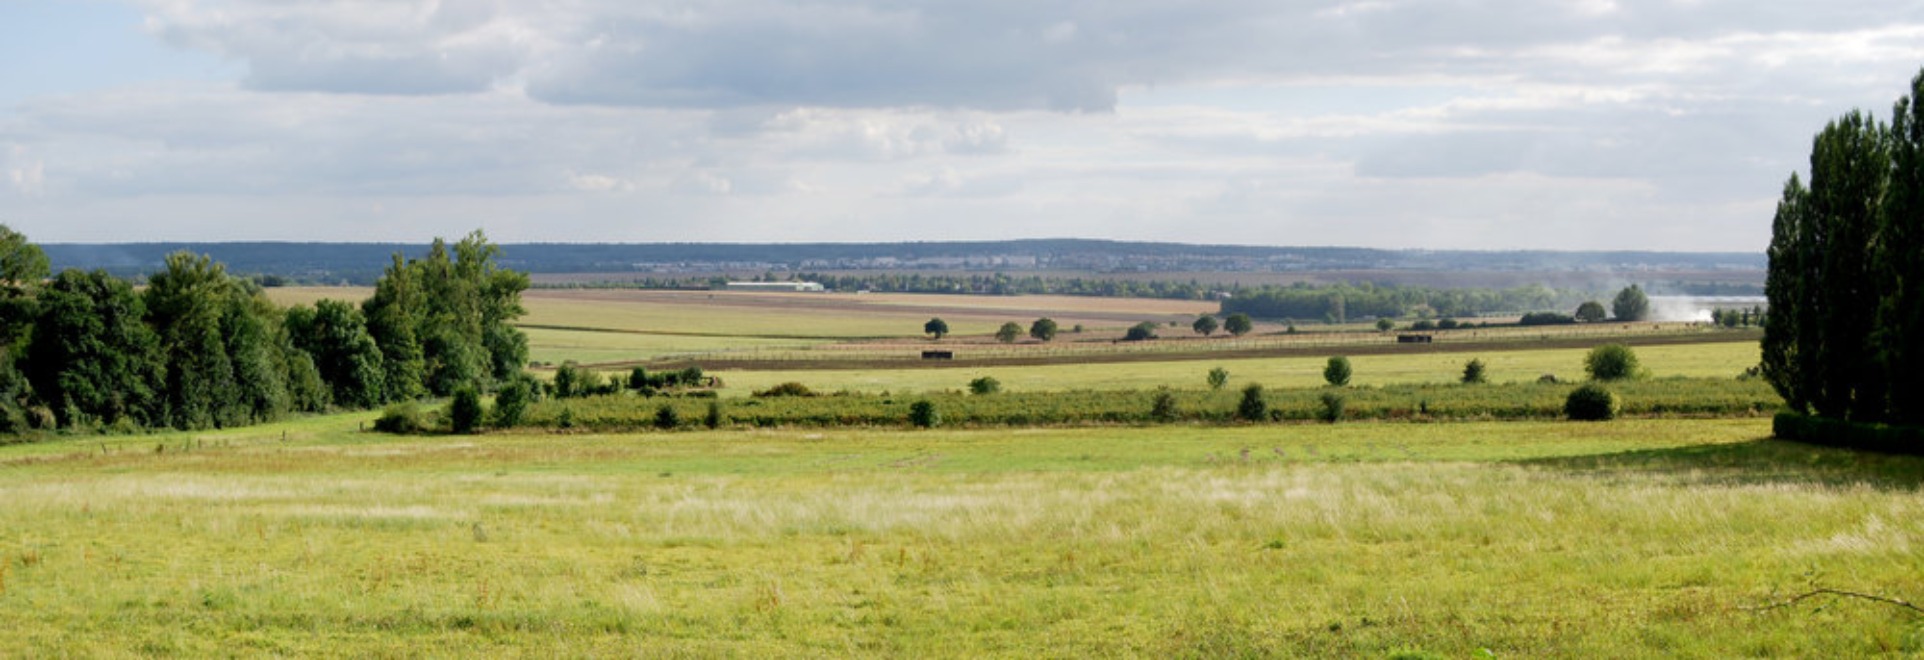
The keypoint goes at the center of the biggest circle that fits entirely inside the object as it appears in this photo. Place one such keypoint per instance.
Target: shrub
(1590, 402)
(985, 385)
(923, 415)
(1447, 324)
(1143, 331)
(1332, 410)
(1218, 377)
(1385, 325)
(790, 388)
(1545, 318)
(1473, 372)
(638, 378)
(1337, 372)
(666, 418)
(1424, 324)
(511, 402)
(1611, 362)
(464, 412)
(1252, 408)
(713, 419)
(401, 418)
(1164, 409)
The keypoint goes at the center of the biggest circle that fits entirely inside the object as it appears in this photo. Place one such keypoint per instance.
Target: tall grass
(1636, 538)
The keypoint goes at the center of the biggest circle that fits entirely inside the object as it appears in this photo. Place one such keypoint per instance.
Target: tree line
(1337, 303)
(198, 348)
(1845, 336)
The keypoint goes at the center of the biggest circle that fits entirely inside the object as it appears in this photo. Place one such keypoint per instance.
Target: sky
(1409, 124)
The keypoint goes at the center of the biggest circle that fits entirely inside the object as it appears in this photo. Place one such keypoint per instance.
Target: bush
(1889, 439)
(1590, 402)
(790, 388)
(1164, 409)
(1218, 377)
(713, 418)
(1611, 362)
(1143, 331)
(511, 402)
(666, 418)
(401, 418)
(1252, 408)
(1332, 410)
(1473, 372)
(923, 415)
(985, 385)
(1337, 372)
(1546, 318)
(464, 412)
(638, 379)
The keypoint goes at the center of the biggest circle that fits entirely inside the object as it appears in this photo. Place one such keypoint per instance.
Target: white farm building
(776, 286)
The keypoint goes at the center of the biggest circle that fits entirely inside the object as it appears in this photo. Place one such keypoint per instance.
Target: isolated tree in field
(1590, 311)
(1009, 332)
(1218, 377)
(1205, 325)
(936, 327)
(1238, 324)
(1611, 362)
(1631, 304)
(985, 385)
(1337, 371)
(1384, 325)
(1473, 372)
(1252, 408)
(1590, 402)
(1044, 329)
(1143, 331)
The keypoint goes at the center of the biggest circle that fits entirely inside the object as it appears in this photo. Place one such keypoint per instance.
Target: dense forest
(198, 347)
(1338, 303)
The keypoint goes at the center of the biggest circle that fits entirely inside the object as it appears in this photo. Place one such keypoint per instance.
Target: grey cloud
(994, 55)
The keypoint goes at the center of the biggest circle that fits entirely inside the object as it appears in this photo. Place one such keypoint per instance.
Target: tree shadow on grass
(1757, 462)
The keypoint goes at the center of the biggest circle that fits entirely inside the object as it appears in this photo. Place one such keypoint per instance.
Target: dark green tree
(186, 303)
(394, 314)
(1590, 311)
(1631, 304)
(1238, 324)
(1143, 331)
(93, 358)
(1474, 372)
(936, 327)
(1337, 371)
(1898, 262)
(1252, 408)
(1009, 332)
(1786, 361)
(350, 362)
(464, 411)
(1044, 329)
(1205, 325)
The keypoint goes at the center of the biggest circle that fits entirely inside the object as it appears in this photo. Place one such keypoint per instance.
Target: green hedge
(1816, 430)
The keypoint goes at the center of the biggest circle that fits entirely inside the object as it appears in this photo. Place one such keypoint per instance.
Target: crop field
(1710, 360)
(1630, 538)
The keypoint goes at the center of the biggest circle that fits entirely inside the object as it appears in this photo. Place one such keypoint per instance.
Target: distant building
(777, 286)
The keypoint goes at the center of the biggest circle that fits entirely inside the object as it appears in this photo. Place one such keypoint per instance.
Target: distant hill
(363, 262)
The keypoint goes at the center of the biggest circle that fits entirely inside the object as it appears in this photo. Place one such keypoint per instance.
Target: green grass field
(1627, 539)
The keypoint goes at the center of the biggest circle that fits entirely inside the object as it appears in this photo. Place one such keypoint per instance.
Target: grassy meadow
(1626, 539)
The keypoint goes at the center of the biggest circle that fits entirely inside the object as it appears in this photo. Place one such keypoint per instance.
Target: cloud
(995, 55)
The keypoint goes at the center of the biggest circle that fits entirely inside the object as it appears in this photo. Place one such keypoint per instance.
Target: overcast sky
(1587, 124)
